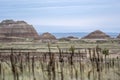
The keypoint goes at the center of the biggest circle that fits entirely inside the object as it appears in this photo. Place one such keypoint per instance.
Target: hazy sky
(64, 15)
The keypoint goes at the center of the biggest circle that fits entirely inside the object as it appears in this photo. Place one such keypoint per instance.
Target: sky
(64, 15)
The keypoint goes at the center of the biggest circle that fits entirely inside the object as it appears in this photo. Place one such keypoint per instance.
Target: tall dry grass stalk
(70, 65)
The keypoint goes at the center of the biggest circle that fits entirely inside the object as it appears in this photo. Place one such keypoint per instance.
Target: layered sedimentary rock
(118, 36)
(17, 29)
(47, 36)
(97, 35)
(72, 37)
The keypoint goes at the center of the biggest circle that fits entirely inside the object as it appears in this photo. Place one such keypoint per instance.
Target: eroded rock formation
(97, 35)
(17, 29)
(118, 36)
(48, 36)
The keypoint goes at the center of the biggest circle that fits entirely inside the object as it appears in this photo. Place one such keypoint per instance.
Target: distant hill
(97, 35)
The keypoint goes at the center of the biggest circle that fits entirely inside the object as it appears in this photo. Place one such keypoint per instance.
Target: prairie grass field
(63, 60)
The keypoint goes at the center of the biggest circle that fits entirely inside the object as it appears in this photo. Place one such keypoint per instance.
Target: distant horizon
(40, 30)
(76, 32)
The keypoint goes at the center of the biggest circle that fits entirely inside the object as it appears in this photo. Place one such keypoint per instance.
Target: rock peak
(7, 21)
(10, 21)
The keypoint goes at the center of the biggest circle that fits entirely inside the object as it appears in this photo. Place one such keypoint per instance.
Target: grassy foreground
(99, 65)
